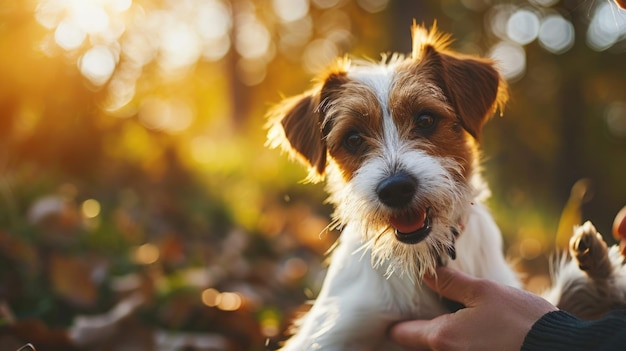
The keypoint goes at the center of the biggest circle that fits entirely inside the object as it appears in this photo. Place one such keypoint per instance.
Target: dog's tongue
(408, 223)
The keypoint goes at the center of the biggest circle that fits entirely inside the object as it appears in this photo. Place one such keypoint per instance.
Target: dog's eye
(425, 122)
(353, 141)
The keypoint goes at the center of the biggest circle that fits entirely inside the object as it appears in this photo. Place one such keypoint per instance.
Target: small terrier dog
(397, 142)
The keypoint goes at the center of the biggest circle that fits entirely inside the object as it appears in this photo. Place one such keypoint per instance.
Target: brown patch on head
(460, 93)
(472, 85)
(353, 126)
(342, 117)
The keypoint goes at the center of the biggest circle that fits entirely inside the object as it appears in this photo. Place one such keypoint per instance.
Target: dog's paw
(590, 251)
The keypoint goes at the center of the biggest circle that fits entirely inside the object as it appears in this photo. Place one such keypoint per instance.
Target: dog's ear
(473, 85)
(296, 124)
(475, 89)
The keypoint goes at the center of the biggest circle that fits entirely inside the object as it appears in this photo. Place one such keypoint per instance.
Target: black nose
(397, 190)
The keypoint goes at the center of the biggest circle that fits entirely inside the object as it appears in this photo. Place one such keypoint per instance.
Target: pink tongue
(408, 223)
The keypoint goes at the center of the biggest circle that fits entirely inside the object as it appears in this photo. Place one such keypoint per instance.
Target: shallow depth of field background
(132, 150)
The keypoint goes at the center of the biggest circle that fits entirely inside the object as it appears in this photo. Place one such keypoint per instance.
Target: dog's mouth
(412, 227)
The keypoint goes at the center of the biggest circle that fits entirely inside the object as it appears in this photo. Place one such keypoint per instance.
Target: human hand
(619, 229)
(496, 317)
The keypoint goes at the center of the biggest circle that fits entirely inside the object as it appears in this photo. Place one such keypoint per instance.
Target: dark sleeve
(560, 330)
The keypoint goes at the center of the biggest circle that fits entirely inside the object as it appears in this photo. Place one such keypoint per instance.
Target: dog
(397, 142)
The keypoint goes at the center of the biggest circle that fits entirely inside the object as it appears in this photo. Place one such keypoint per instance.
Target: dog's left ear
(475, 89)
(473, 85)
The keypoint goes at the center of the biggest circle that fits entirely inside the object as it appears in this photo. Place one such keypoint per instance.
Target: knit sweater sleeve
(560, 330)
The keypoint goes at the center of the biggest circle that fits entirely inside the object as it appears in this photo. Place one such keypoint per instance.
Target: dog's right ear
(296, 124)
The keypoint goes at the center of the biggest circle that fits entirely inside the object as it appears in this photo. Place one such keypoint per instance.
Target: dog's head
(397, 142)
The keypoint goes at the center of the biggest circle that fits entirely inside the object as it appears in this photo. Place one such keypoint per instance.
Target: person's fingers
(619, 229)
(619, 225)
(413, 334)
(456, 286)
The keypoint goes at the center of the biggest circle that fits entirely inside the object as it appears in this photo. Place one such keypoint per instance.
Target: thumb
(416, 334)
(456, 286)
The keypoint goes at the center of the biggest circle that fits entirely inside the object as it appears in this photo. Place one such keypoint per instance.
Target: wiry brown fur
(471, 86)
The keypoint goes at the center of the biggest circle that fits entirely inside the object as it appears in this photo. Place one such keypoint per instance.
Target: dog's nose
(397, 190)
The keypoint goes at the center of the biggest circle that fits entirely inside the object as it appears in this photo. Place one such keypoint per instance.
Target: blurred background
(140, 210)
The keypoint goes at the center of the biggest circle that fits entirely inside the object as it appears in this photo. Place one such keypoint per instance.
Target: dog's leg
(593, 281)
(591, 252)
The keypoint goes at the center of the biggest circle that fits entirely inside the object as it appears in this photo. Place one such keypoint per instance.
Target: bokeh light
(608, 25)
(153, 112)
(290, 10)
(253, 38)
(211, 297)
(90, 208)
(556, 34)
(168, 115)
(523, 26)
(510, 58)
(615, 116)
(225, 301)
(145, 254)
(373, 6)
(230, 301)
(270, 322)
(544, 3)
(318, 54)
(69, 36)
(98, 64)
(180, 45)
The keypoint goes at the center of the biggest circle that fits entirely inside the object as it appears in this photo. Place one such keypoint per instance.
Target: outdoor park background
(132, 152)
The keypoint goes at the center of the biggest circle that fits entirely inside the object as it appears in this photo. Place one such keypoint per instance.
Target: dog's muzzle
(397, 192)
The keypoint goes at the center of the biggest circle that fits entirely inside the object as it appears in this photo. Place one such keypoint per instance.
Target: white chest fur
(358, 303)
